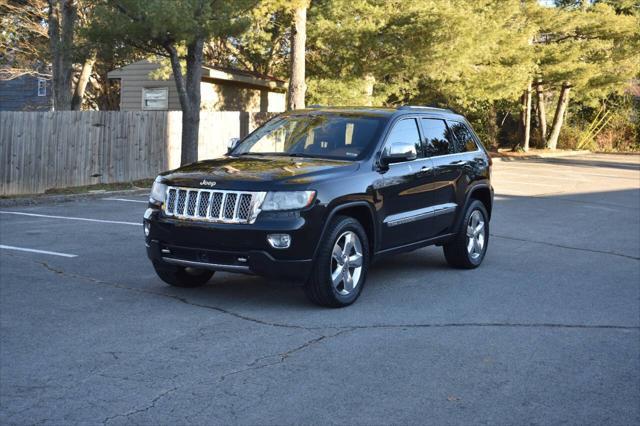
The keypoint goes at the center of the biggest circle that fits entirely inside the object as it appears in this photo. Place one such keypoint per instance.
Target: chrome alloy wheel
(475, 235)
(346, 263)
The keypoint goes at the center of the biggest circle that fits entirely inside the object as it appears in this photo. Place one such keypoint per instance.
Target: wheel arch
(363, 212)
(484, 194)
(481, 192)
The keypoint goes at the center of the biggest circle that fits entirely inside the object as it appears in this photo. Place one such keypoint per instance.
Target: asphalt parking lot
(546, 331)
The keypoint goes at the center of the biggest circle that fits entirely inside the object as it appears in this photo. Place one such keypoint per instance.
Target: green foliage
(23, 38)
(594, 49)
(149, 25)
(474, 56)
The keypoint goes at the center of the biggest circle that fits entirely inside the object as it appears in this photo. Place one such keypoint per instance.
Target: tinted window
(463, 138)
(346, 137)
(405, 131)
(436, 137)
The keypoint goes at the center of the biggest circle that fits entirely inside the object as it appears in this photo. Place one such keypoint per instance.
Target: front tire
(341, 265)
(180, 276)
(469, 246)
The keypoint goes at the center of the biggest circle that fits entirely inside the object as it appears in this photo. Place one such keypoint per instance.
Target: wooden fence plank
(43, 150)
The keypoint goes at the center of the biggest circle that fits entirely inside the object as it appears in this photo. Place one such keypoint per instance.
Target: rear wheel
(469, 246)
(180, 276)
(341, 266)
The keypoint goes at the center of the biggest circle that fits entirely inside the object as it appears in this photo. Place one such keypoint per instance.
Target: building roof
(243, 76)
(214, 73)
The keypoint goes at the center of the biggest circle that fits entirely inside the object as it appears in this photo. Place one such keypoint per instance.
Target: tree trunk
(527, 118)
(189, 94)
(297, 85)
(369, 82)
(558, 118)
(81, 84)
(542, 115)
(61, 21)
(492, 127)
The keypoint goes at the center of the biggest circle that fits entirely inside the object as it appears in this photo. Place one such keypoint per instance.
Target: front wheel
(180, 276)
(341, 265)
(469, 246)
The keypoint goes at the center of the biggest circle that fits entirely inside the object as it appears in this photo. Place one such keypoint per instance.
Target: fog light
(279, 241)
(147, 229)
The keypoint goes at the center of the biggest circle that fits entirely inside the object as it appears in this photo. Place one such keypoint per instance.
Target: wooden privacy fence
(46, 150)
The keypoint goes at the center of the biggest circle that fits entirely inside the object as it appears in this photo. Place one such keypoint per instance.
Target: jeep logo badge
(210, 183)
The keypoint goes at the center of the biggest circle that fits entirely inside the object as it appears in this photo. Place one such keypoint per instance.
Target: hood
(256, 171)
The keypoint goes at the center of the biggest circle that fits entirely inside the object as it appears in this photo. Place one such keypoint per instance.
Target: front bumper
(239, 248)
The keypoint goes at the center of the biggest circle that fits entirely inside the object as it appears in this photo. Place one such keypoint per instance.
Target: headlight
(289, 200)
(158, 192)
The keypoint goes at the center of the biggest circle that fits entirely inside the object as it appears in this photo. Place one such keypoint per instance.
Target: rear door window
(437, 138)
(462, 137)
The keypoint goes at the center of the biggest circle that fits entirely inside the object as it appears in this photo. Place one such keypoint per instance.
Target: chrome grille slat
(213, 205)
(203, 203)
(192, 196)
(244, 206)
(223, 203)
(181, 205)
(230, 205)
(171, 200)
(216, 205)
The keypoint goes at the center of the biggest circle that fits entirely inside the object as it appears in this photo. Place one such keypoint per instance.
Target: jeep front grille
(213, 206)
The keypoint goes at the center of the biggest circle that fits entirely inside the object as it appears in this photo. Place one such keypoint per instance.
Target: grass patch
(88, 189)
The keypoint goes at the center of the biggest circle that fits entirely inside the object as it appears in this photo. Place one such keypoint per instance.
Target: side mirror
(233, 142)
(398, 152)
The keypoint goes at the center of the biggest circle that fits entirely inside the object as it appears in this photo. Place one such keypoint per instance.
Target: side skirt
(440, 239)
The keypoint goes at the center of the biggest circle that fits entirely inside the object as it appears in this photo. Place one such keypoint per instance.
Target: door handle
(425, 169)
(459, 162)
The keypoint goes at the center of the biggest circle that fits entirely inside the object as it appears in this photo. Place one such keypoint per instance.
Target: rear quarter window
(463, 138)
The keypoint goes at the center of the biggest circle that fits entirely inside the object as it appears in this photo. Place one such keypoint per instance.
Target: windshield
(335, 136)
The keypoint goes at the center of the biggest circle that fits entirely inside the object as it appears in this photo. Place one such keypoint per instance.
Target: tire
(468, 248)
(321, 288)
(180, 276)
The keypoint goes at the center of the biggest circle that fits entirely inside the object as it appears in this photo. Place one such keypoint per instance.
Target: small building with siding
(223, 89)
(26, 93)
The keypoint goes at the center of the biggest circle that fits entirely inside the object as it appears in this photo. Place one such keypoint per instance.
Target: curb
(34, 200)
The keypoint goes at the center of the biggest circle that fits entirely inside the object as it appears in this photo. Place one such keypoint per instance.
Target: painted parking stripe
(125, 200)
(54, 253)
(116, 222)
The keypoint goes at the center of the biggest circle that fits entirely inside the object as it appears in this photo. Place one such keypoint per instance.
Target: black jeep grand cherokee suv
(318, 194)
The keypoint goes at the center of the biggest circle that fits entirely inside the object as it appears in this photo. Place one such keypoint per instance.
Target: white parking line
(54, 253)
(125, 199)
(117, 222)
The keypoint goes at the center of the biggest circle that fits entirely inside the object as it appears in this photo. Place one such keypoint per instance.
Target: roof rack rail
(424, 107)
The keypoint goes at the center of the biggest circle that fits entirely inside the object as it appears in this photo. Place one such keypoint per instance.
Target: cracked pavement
(547, 331)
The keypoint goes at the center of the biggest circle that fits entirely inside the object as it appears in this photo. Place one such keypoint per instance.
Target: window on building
(155, 98)
(42, 87)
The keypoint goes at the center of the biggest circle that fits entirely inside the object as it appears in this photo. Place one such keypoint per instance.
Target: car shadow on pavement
(581, 162)
(231, 291)
(571, 221)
